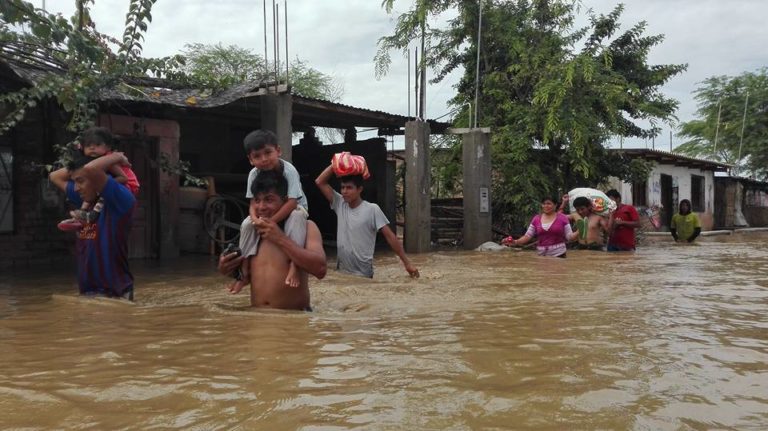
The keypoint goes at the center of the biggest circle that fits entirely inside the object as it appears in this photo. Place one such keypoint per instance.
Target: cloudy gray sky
(338, 37)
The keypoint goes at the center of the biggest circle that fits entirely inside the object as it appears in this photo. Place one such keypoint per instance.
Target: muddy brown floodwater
(670, 338)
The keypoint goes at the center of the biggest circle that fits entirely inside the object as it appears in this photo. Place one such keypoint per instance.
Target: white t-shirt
(294, 184)
(356, 235)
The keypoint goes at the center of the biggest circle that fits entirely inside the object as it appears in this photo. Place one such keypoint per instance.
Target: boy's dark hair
(258, 139)
(97, 135)
(357, 180)
(270, 181)
(582, 202)
(613, 193)
(77, 161)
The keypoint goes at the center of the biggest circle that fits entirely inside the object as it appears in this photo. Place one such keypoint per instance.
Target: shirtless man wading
(269, 267)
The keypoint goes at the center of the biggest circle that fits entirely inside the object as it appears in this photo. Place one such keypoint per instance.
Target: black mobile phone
(232, 248)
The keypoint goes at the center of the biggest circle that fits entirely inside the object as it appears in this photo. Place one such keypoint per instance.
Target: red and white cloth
(346, 163)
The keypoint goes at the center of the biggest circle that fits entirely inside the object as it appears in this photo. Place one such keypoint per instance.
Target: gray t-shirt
(356, 235)
(294, 184)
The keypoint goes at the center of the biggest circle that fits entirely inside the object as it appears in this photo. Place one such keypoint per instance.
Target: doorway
(667, 199)
(144, 241)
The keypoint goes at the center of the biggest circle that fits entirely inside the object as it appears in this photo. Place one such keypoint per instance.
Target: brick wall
(37, 205)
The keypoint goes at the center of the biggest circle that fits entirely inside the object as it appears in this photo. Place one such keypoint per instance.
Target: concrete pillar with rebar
(276, 113)
(418, 223)
(476, 161)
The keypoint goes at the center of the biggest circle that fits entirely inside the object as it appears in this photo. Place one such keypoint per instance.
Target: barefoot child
(263, 153)
(94, 143)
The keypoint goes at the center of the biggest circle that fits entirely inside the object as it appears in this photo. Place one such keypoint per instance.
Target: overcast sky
(338, 37)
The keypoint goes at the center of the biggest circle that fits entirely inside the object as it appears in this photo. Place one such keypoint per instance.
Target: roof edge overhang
(667, 158)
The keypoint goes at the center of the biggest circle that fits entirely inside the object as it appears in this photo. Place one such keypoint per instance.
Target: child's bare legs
(296, 230)
(294, 274)
(81, 213)
(78, 218)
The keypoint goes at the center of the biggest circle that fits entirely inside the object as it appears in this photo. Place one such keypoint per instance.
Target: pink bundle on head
(345, 164)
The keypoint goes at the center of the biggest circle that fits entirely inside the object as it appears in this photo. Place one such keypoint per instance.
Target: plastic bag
(601, 204)
(346, 163)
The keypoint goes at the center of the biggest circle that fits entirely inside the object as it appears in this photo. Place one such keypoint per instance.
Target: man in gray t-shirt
(358, 222)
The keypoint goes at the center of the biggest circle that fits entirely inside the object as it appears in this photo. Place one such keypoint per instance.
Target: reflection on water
(671, 338)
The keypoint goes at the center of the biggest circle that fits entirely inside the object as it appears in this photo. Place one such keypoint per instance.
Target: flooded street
(670, 338)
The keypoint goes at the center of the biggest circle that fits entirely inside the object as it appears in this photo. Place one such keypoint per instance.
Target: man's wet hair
(357, 180)
(582, 202)
(680, 207)
(97, 135)
(270, 181)
(258, 139)
(76, 161)
(613, 193)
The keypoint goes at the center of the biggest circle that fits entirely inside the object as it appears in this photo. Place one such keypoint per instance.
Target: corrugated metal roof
(674, 158)
(157, 92)
(342, 105)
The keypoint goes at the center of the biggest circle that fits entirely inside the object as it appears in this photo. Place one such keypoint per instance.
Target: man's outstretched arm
(397, 247)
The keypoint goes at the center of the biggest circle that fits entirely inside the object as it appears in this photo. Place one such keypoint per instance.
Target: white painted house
(673, 178)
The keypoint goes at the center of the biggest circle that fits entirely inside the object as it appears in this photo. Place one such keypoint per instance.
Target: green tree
(727, 96)
(83, 61)
(219, 66)
(551, 94)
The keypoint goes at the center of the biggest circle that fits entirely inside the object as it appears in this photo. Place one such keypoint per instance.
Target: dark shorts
(592, 246)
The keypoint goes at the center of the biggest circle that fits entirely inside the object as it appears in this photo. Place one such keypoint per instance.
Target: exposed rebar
(477, 68)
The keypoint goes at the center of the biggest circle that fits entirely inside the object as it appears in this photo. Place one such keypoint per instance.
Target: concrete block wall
(38, 206)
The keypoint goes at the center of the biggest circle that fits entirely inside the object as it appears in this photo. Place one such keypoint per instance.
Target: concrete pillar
(476, 160)
(276, 114)
(388, 197)
(418, 223)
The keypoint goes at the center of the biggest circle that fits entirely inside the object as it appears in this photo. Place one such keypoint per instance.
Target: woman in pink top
(552, 228)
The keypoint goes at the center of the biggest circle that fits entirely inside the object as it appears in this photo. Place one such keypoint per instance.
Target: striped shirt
(102, 247)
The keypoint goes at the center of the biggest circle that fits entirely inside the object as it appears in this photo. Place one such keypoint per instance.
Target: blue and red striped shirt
(102, 247)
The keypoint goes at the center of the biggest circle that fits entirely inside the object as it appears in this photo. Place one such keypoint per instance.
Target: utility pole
(743, 122)
(287, 60)
(423, 94)
(717, 126)
(266, 57)
(477, 65)
(416, 81)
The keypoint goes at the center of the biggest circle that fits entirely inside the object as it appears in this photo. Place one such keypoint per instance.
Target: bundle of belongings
(346, 163)
(601, 204)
